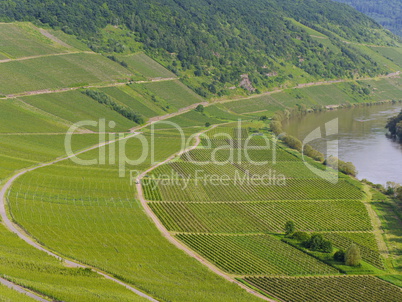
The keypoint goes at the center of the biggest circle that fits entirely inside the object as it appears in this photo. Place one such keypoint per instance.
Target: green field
(23, 40)
(393, 53)
(144, 65)
(263, 216)
(364, 288)
(26, 266)
(215, 202)
(366, 242)
(132, 99)
(255, 255)
(174, 93)
(13, 112)
(204, 191)
(261, 103)
(9, 295)
(114, 233)
(56, 72)
(74, 107)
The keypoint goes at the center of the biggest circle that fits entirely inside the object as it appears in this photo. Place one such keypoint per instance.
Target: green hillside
(213, 43)
(385, 12)
(132, 63)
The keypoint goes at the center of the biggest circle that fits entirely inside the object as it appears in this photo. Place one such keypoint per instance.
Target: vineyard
(255, 217)
(328, 289)
(143, 64)
(206, 199)
(255, 255)
(78, 69)
(66, 204)
(30, 42)
(174, 93)
(228, 200)
(204, 190)
(366, 242)
(73, 107)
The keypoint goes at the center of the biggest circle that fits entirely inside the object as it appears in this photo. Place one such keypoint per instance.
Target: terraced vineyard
(366, 242)
(237, 190)
(256, 217)
(232, 224)
(212, 201)
(255, 255)
(350, 288)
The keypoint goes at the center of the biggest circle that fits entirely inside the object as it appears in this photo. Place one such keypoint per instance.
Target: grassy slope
(23, 40)
(74, 107)
(9, 295)
(55, 72)
(107, 251)
(96, 201)
(144, 65)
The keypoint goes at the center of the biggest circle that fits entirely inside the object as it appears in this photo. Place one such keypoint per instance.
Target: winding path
(22, 290)
(15, 229)
(173, 240)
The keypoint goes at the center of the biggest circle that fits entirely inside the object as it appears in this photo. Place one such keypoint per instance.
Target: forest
(210, 44)
(385, 12)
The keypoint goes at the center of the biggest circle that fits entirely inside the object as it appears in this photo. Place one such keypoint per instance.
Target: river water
(360, 139)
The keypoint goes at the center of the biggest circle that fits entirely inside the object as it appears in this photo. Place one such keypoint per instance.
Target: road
(22, 290)
(173, 240)
(15, 229)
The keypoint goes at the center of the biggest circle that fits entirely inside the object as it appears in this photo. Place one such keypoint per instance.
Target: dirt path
(21, 233)
(47, 55)
(47, 91)
(170, 115)
(376, 223)
(22, 290)
(173, 240)
(53, 38)
(320, 83)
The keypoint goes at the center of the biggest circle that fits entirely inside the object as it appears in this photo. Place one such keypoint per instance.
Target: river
(361, 139)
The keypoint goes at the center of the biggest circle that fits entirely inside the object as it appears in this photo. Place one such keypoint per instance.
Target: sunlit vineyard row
(252, 217)
(255, 255)
(328, 289)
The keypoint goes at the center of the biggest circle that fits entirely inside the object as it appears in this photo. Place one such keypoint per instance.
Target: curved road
(13, 228)
(173, 240)
(22, 290)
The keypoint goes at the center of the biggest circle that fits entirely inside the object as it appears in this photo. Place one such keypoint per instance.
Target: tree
(327, 246)
(207, 124)
(315, 243)
(319, 244)
(399, 193)
(200, 108)
(340, 256)
(289, 228)
(301, 236)
(352, 256)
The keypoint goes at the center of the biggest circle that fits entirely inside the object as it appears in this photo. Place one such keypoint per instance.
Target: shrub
(301, 236)
(289, 228)
(339, 256)
(352, 256)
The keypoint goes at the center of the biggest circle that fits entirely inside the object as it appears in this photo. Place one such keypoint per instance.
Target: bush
(293, 142)
(314, 154)
(346, 168)
(200, 108)
(289, 228)
(319, 244)
(301, 236)
(352, 256)
(340, 256)
(276, 127)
